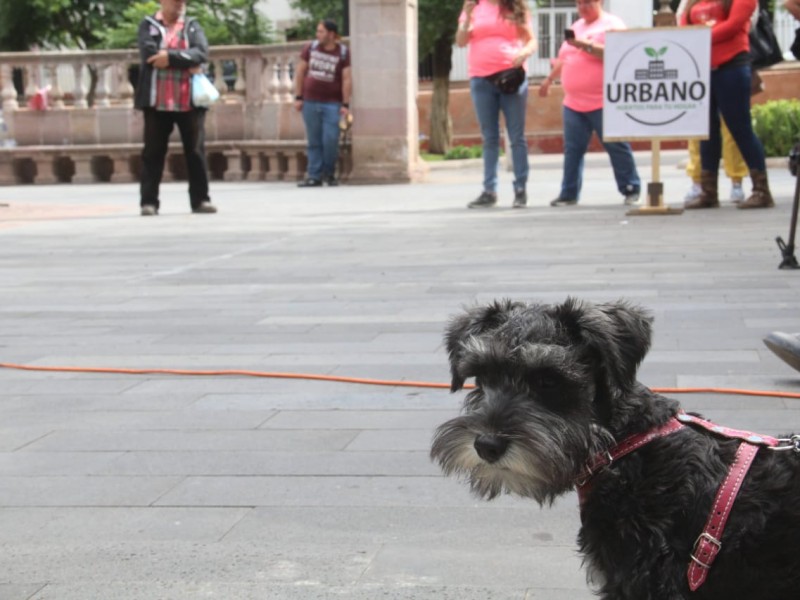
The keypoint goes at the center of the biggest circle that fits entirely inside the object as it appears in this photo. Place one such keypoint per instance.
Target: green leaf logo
(651, 52)
(663, 51)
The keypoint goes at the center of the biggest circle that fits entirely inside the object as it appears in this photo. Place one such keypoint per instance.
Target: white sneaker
(694, 193)
(737, 193)
(631, 199)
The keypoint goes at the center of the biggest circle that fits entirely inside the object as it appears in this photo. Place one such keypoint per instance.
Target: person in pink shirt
(580, 67)
(500, 40)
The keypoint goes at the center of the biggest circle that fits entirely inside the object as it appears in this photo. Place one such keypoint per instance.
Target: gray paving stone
(114, 524)
(77, 490)
(159, 486)
(110, 441)
(224, 462)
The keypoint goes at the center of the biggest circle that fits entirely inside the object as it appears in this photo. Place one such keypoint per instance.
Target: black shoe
(204, 208)
(563, 202)
(520, 199)
(310, 182)
(485, 200)
(331, 181)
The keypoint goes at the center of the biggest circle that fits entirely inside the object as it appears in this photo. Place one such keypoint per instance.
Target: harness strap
(708, 543)
(736, 434)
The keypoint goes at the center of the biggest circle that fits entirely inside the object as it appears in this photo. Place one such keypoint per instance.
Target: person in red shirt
(730, 98)
(323, 86)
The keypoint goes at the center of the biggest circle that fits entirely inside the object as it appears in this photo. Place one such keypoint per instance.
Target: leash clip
(787, 444)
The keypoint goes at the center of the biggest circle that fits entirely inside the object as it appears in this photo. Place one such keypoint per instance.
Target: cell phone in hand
(569, 34)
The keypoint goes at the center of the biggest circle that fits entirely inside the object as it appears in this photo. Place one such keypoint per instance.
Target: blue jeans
(578, 128)
(730, 97)
(322, 133)
(488, 102)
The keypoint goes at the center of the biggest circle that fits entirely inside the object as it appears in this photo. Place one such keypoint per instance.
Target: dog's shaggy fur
(555, 384)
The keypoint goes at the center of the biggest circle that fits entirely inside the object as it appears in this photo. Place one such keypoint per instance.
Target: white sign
(656, 83)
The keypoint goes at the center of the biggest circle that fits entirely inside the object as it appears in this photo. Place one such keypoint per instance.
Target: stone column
(383, 42)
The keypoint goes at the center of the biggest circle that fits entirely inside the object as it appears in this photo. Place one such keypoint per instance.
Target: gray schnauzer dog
(556, 394)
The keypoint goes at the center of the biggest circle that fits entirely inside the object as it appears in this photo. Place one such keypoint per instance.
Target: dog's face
(549, 382)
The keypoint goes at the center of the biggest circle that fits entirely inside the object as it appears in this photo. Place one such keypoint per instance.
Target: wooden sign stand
(655, 190)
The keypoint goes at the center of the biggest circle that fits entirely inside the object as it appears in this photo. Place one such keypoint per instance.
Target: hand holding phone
(569, 34)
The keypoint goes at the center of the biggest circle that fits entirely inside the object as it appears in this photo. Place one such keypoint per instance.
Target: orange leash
(357, 380)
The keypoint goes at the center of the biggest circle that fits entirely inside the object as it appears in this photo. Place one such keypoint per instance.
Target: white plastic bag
(204, 94)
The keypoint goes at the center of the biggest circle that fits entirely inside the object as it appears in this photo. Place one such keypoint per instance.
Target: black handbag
(764, 48)
(796, 44)
(508, 80)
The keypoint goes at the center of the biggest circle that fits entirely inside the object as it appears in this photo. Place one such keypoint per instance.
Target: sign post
(656, 88)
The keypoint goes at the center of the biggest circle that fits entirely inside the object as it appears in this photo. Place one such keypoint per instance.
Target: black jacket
(151, 40)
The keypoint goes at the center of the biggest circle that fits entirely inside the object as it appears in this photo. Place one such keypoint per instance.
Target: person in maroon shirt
(323, 85)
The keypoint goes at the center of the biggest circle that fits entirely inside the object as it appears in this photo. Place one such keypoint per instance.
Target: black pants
(158, 126)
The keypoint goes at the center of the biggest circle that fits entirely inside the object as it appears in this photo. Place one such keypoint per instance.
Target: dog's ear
(618, 333)
(473, 322)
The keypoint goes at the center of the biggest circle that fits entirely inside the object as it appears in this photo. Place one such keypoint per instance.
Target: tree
(224, 22)
(438, 21)
(316, 10)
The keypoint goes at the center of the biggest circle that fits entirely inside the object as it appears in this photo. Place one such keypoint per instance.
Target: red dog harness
(708, 543)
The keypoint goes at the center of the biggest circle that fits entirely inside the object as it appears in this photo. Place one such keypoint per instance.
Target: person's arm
(525, 34)
(196, 54)
(793, 6)
(147, 45)
(739, 15)
(555, 73)
(300, 70)
(465, 23)
(593, 48)
(189, 58)
(347, 90)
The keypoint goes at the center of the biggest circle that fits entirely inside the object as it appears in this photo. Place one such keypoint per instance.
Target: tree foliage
(316, 11)
(91, 24)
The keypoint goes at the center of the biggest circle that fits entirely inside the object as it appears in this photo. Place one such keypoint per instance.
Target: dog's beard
(543, 458)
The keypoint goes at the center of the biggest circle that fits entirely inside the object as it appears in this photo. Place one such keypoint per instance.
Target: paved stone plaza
(146, 487)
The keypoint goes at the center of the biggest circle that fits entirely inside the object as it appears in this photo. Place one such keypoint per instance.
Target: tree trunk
(441, 124)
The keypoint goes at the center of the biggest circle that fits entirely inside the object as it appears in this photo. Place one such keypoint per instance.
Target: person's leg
(734, 106)
(732, 159)
(486, 100)
(514, 107)
(622, 162)
(330, 139)
(191, 125)
(577, 133)
(157, 129)
(711, 149)
(733, 101)
(312, 117)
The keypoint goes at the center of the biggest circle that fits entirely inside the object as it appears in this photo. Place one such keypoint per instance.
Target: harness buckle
(710, 539)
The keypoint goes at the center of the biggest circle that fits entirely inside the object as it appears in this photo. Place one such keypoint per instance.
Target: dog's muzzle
(490, 447)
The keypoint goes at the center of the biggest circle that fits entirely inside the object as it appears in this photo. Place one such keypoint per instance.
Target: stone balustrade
(253, 129)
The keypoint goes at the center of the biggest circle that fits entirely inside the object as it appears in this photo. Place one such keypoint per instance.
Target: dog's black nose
(490, 447)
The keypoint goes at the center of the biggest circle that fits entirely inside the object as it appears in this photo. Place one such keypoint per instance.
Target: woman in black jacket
(172, 48)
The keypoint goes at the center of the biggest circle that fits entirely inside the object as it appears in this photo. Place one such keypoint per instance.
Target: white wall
(635, 13)
(279, 12)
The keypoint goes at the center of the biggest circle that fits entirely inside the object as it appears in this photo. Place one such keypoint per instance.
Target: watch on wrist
(298, 97)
